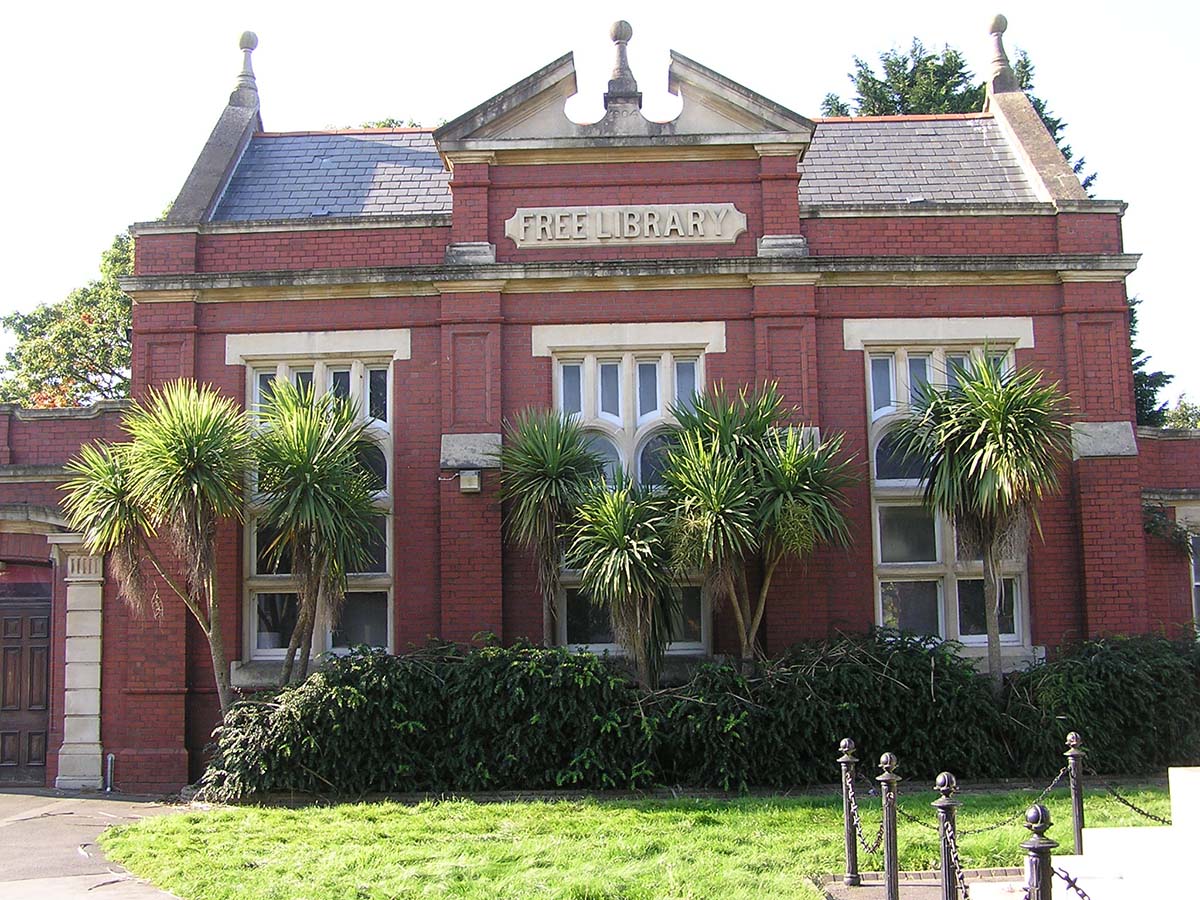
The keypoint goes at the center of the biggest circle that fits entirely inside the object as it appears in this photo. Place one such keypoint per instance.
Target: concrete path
(48, 847)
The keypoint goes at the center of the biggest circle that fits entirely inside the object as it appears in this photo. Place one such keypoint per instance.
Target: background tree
(318, 500)
(923, 83)
(749, 491)
(1183, 414)
(545, 469)
(989, 450)
(914, 83)
(1146, 385)
(619, 543)
(180, 474)
(75, 351)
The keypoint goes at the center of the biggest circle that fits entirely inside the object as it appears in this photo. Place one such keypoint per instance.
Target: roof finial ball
(622, 87)
(245, 93)
(1002, 78)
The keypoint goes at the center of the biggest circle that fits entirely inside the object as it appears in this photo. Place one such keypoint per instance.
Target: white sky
(108, 104)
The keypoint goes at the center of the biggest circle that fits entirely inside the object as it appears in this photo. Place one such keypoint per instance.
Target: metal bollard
(1075, 754)
(848, 761)
(947, 785)
(888, 779)
(1039, 847)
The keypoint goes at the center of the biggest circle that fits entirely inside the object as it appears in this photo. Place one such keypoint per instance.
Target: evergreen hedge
(527, 718)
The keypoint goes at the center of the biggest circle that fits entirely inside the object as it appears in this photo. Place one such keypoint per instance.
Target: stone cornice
(575, 276)
(99, 408)
(958, 208)
(32, 474)
(1168, 434)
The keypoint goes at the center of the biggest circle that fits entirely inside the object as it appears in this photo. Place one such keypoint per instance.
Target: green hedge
(513, 718)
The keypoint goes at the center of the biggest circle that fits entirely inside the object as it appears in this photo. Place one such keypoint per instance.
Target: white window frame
(630, 431)
(948, 569)
(570, 581)
(381, 432)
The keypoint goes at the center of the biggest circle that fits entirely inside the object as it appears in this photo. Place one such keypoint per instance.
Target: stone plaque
(598, 226)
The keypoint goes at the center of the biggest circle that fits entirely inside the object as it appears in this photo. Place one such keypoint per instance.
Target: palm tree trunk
(216, 649)
(768, 572)
(306, 647)
(289, 661)
(991, 609)
(736, 602)
(549, 639)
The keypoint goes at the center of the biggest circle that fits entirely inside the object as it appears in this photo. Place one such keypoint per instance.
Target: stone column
(80, 763)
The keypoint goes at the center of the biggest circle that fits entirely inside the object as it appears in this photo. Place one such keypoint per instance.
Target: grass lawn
(573, 850)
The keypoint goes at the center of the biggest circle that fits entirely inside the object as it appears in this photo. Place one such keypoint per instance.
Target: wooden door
(24, 673)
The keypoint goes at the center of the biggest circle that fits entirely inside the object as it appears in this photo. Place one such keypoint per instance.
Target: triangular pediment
(531, 115)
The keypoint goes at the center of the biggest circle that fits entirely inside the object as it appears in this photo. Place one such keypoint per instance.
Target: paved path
(48, 847)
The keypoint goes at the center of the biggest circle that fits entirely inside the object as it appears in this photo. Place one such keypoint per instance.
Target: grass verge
(592, 849)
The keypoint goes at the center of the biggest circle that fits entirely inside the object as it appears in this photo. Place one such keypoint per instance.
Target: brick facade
(470, 367)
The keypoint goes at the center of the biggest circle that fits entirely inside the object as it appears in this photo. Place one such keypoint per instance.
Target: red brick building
(513, 258)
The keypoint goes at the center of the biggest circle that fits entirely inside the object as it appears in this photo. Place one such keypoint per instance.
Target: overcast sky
(108, 104)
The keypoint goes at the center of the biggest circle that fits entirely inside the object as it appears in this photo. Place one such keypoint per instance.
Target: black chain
(951, 840)
(1020, 813)
(911, 818)
(1016, 816)
(1128, 803)
(1071, 883)
(858, 830)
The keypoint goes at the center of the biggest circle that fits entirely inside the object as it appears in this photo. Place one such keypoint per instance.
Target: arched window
(652, 459)
(891, 464)
(607, 450)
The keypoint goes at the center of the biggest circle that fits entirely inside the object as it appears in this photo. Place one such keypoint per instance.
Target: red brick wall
(173, 254)
(933, 235)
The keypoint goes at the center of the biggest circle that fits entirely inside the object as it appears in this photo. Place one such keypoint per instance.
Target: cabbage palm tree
(181, 472)
(619, 544)
(748, 491)
(989, 450)
(545, 468)
(317, 498)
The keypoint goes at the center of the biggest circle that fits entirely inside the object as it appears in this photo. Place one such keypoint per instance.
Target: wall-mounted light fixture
(470, 481)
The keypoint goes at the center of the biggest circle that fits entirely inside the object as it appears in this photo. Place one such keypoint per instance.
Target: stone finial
(245, 92)
(622, 87)
(1002, 78)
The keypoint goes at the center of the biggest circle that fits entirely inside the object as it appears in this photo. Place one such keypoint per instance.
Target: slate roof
(288, 176)
(306, 175)
(899, 160)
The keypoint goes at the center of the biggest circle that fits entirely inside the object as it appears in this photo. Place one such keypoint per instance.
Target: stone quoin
(447, 279)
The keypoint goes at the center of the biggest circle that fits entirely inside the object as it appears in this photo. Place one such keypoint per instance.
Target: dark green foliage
(916, 82)
(525, 718)
(1146, 384)
(1136, 701)
(76, 351)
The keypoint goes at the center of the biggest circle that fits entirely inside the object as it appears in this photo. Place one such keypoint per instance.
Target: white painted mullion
(358, 380)
(320, 378)
(590, 388)
(666, 385)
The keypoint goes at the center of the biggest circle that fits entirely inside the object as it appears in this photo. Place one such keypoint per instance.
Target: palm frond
(101, 506)
(802, 502)
(186, 464)
(317, 496)
(619, 544)
(545, 467)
